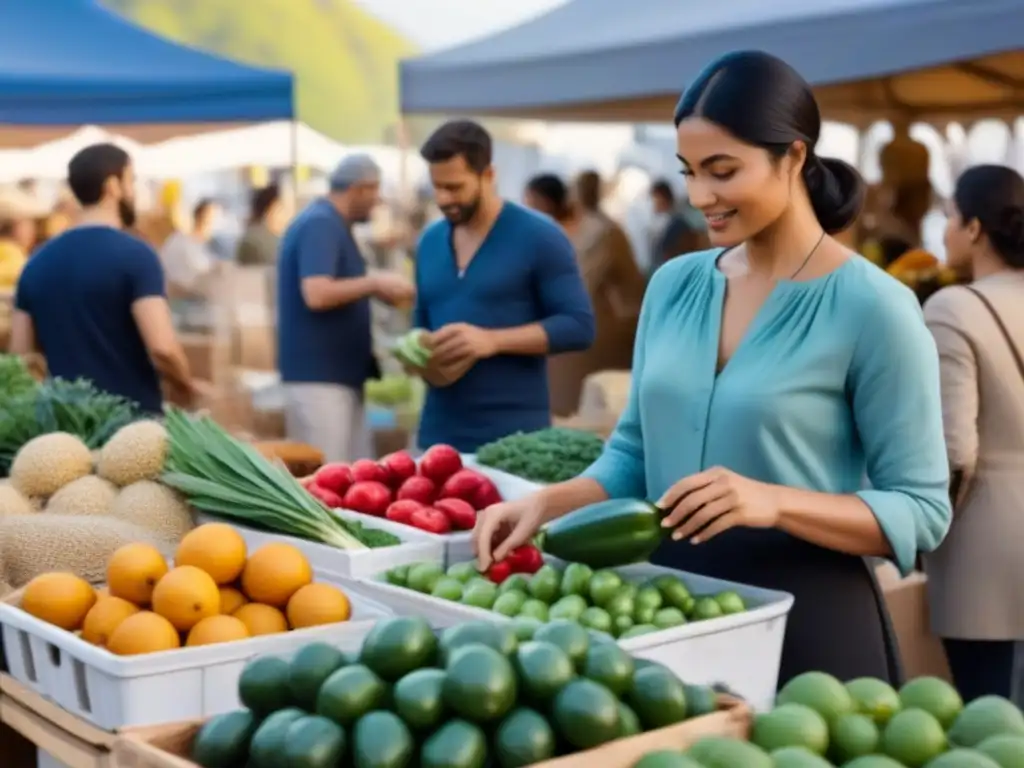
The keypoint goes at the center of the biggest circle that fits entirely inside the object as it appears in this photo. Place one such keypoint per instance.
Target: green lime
(913, 737)
(854, 735)
(874, 698)
(517, 582)
(819, 691)
(675, 593)
(509, 604)
(669, 617)
(525, 627)
(545, 583)
(480, 594)
(621, 604)
(399, 576)
(791, 725)
(648, 597)
(730, 603)
(570, 607)
(596, 618)
(1006, 750)
(637, 630)
(706, 608)
(448, 588)
(576, 580)
(464, 572)
(963, 758)
(603, 586)
(423, 577)
(621, 624)
(798, 757)
(534, 608)
(933, 695)
(985, 717)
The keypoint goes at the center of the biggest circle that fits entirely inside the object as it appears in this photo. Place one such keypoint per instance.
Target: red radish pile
(438, 496)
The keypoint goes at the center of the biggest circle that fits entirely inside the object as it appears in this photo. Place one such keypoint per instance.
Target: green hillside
(345, 60)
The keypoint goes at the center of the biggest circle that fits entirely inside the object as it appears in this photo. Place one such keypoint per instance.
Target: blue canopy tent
(609, 60)
(65, 63)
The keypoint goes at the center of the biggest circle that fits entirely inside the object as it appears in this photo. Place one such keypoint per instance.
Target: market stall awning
(73, 62)
(611, 60)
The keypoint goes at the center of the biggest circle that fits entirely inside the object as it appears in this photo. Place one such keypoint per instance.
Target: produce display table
(168, 746)
(300, 459)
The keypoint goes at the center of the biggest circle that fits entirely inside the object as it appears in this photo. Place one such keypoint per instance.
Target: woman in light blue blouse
(770, 376)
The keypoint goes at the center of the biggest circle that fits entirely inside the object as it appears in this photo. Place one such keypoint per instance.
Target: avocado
(524, 738)
(543, 670)
(263, 686)
(381, 740)
(500, 637)
(308, 670)
(395, 647)
(419, 700)
(608, 664)
(569, 636)
(586, 714)
(725, 752)
(350, 693)
(666, 758)
(266, 750)
(223, 741)
(313, 742)
(629, 723)
(658, 698)
(480, 684)
(456, 744)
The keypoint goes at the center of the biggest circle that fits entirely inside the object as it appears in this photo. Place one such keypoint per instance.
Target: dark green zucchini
(607, 534)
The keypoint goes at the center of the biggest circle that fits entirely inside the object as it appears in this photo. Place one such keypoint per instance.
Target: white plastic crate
(743, 651)
(511, 487)
(115, 692)
(416, 546)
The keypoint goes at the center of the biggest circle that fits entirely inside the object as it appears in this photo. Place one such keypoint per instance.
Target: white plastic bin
(416, 546)
(115, 692)
(743, 651)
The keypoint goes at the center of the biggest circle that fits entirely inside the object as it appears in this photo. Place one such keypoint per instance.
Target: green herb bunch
(547, 456)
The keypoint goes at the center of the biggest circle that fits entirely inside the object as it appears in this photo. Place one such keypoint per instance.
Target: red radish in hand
(486, 495)
(419, 489)
(336, 477)
(430, 520)
(328, 497)
(368, 497)
(498, 572)
(525, 559)
(366, 470)
(401, 511)
(400, 466)
(460, 513)
(440, 462)
(464, 485)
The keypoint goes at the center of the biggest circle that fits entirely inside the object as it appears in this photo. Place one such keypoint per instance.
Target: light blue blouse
(836, 379)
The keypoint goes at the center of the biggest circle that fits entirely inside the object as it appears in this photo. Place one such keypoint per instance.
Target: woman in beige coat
(976, 577)
(613, 281)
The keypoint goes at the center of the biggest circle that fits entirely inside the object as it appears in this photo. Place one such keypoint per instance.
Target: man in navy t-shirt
(92, 299)
(325, 346)
(499, 288)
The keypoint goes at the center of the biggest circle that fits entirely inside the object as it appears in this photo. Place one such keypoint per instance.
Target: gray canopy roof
(629, 59)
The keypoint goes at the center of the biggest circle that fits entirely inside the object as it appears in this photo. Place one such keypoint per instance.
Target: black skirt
(838, 624)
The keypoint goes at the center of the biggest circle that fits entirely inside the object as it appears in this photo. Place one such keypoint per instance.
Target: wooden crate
(169, 746)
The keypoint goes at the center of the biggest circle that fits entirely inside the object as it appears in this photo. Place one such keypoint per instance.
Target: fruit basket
(325, 559)
(115, 692)
(742, 650)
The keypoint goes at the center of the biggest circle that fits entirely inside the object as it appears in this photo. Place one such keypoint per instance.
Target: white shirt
(186, 262)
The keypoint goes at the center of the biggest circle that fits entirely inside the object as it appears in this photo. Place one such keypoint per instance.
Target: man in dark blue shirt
(92, 299)
(499, 289)
(325, 347)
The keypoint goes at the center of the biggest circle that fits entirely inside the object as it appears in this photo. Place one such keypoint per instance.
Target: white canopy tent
(49, 161)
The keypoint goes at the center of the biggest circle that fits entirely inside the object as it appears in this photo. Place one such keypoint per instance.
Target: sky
(435, 24)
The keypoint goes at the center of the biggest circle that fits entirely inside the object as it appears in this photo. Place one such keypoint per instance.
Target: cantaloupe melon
(34, 544)
(135, 452)
(47, 463)
(154, 507)
(89, 495)
(13, 503)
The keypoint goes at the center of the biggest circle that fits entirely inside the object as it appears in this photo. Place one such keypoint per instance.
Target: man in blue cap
(325, 350)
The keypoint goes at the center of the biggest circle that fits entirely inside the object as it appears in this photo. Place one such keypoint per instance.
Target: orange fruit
(185, 596)
(217, 629)
(261, 619)
(61, 599)
(133, 571)
(104, 617)
(216, 548)
(231, 600)
(274, 573)
(143, 632)
(316, 604)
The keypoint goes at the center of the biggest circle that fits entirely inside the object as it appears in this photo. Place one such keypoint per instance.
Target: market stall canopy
(610, 60)
(49, 161)
(273, 145)
(73, 62)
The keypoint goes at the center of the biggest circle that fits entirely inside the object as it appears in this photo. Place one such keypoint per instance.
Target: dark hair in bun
(763, 101)
(994, 195)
